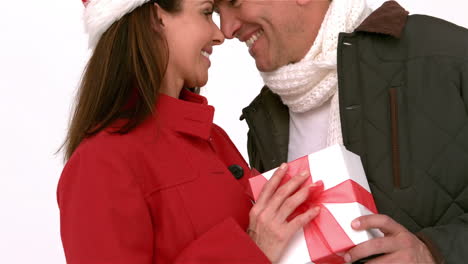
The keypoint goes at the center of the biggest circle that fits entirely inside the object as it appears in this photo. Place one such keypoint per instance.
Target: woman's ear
(157, 20)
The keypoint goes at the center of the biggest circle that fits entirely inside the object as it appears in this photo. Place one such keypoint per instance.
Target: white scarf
(309, 83)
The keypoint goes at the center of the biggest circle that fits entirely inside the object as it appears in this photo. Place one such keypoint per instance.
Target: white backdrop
(42, 53)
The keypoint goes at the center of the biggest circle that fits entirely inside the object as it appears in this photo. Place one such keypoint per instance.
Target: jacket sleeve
(103, 216)
(255, 160)
(105, 220)
(448, 242)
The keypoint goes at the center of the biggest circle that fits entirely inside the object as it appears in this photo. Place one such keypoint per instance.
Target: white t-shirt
(308, 131)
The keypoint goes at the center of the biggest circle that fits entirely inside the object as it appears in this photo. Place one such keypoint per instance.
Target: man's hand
(398, 246)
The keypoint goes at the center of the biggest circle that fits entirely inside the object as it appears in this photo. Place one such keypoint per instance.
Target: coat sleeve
(103, 216)
(448, 242)
(104, 220)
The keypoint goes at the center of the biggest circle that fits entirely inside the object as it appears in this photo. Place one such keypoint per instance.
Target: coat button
(237, 171)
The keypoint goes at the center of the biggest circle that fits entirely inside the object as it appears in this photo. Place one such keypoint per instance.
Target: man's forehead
(218, 2)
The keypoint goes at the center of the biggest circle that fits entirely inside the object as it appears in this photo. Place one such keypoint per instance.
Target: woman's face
(191, 35)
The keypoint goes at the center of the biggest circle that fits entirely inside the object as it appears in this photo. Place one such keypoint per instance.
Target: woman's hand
(268, 226)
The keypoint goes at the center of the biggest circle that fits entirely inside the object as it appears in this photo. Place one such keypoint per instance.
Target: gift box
(345, 196)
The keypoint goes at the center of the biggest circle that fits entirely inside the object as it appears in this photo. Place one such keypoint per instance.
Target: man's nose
(230, 24)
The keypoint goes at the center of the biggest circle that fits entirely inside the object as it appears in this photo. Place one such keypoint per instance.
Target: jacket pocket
(169, 166)
(400, 137)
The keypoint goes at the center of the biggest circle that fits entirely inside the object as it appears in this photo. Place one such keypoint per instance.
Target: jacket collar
(190, 114)
(389, 19)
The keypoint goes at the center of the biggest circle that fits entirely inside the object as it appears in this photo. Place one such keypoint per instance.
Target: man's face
(276, 32)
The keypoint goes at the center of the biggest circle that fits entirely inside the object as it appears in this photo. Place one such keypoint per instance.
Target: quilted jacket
(403, 91)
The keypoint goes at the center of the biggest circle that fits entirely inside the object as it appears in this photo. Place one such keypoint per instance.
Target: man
(393, 89)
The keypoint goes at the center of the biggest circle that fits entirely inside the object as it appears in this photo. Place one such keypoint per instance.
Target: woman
(147, 178)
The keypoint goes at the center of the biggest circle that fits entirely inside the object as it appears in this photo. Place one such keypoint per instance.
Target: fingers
(402, 248)
(299, 221)
(284, 192)
(262, 203)
(398, 246)
(270, 187)
(273, 196)
(293, 203)
(386, 224)
(372, 247)
(388, 258)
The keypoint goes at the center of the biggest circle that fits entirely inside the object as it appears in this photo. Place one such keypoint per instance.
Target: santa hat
(99, 15)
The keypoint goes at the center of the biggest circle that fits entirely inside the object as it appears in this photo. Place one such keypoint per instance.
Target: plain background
(43, 50)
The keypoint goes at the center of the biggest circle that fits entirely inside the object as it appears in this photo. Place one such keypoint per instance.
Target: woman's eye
(208, 12)
(233, 2)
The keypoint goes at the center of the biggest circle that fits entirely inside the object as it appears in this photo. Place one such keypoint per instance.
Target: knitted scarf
(309, 83)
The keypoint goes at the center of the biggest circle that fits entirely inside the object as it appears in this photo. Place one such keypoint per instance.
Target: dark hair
(123, 76)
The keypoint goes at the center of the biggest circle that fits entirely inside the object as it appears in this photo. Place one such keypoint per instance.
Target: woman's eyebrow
(207, 1)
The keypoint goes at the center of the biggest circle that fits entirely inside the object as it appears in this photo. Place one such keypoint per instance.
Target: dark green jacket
(403, 91)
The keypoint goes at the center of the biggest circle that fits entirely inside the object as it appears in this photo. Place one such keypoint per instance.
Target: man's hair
(123, 76)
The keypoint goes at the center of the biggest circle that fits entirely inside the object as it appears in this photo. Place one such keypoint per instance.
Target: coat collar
(389, 19)
(190, 114)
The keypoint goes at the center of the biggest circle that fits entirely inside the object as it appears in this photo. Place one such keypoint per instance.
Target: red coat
(159, 194)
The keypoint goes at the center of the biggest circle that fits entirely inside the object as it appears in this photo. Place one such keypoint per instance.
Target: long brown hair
(123, 76)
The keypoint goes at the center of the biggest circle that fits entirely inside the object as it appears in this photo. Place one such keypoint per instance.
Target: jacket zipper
(395, 145)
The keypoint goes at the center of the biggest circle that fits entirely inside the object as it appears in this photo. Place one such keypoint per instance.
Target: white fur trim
(99, 15)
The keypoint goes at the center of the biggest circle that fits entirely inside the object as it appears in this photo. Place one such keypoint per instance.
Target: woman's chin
(200, 83)
(197, 81)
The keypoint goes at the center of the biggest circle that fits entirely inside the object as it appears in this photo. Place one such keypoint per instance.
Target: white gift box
(334, 166)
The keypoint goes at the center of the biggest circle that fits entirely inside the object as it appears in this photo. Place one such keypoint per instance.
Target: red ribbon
(324, 236)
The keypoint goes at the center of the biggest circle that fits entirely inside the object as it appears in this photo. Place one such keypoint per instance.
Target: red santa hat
(99, 15)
